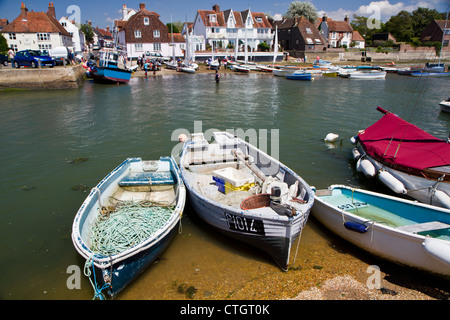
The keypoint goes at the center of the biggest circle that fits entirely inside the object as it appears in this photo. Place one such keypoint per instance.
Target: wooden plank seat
(147, 179)
(427, 226)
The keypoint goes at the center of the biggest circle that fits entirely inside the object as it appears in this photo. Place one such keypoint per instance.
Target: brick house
(434, 32)
(299, 34)
(143, 32)
(36, 31)
(336, 33)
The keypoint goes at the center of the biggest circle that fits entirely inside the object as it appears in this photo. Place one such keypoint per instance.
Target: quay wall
(70, 77)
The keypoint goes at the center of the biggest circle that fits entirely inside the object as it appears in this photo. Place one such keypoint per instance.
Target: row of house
(140, 30)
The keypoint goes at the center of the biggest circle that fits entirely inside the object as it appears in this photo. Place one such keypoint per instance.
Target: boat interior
(230, 172)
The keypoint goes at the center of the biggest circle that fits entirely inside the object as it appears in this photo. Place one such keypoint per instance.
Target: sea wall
(45, 78)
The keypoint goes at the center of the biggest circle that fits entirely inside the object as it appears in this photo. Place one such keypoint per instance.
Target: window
(308, 30)
(12, 36)
(146, 21)
(45, 47)
(318, 41)
(309, 41)
(157, 46)
(259, 19)
(212, 18)
(64, 24)
(333, 35)
(137, 33)
(232, 30)
(43, 36)
(138, 47)
(156, 33)
(14, 47)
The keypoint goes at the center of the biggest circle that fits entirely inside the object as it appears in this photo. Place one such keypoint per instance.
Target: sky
(103, 12)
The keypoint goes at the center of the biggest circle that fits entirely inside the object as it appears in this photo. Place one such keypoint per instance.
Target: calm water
(41, 132)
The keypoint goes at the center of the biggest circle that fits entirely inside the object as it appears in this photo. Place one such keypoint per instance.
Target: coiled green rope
(129, 225)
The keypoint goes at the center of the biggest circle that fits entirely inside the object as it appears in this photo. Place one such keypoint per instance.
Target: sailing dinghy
(127, 221)
(245, 193)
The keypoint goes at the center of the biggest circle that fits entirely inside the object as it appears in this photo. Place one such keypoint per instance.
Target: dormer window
(146, 21)
(212, 18)
(259, 19)
(308, 30)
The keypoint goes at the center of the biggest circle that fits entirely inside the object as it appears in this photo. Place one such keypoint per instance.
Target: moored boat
(245, 193)
(240, 68)
(108, 69)
(369, 75)
(399, 230)
(445, 105)
(299, 75)
(406, 159)
(127, 221)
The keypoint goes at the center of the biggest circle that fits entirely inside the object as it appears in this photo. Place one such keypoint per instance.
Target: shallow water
(42, 132)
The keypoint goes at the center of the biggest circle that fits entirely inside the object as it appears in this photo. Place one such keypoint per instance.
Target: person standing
(217, 76)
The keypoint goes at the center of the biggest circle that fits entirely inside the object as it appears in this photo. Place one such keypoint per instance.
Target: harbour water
(58, 144)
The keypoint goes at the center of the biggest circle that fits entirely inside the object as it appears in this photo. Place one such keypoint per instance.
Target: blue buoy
(357, 227)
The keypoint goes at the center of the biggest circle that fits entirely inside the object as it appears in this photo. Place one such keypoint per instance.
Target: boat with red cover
(405, 158)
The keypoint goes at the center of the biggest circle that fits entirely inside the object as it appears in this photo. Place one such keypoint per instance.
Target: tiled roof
(357, 36)
(35, 22)
(3, 23)
(239, 17)
(339, 26)
(136, 22)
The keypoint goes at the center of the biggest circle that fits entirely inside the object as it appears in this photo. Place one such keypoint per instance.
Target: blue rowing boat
(299, 75)
(127, 221)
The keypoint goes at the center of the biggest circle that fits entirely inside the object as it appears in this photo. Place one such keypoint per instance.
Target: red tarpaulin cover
(417, 149)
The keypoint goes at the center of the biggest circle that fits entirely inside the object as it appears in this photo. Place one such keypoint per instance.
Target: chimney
(216, 8)
(90, 23)
(141, 6)
(346, 18)
(51, 10)
(124, 11)
(23, 12)
(107, 29)
(324, 18)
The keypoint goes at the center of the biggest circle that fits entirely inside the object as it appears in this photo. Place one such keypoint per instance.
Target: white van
(60, 54)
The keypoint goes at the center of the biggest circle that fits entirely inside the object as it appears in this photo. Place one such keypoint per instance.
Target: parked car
(59, 54)
(31, 58)
(4, 59)
(156, 56)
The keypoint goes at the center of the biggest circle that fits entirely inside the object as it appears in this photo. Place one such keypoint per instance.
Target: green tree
(421, 18)
(3, 44)
(177, 26)
(306, 9)
(359, 23)
(88, 32)
(400, 26)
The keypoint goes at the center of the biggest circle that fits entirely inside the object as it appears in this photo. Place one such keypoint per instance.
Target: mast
(275, 45)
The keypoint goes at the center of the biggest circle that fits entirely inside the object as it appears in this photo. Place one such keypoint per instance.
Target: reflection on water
(42, 131)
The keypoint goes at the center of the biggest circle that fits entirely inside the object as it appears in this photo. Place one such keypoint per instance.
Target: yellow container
(229, 187)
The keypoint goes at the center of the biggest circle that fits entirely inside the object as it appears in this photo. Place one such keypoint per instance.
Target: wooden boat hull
(371, 227)
(111, 273)
(259, 226)
(110, 75)
(299, 76)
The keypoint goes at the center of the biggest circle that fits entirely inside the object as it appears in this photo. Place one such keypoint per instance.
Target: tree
(88, 32)
(3, 44)
(177, 26)
(359, 23)
(306, 9)
(421, 18)
(400, 26)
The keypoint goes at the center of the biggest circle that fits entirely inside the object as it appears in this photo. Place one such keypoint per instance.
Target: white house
(224, 28)
(36, 31)
(78, 37)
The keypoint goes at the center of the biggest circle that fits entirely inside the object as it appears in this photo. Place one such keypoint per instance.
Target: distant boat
(430, 74)
(402, 231)
(284, 70)
(368, 75)
(299, 75)
(127, 221)
(108, 70)
(321, 63)
(245, 193)
(330, 73)
(445, 105)
(240, 68)
(405, 158)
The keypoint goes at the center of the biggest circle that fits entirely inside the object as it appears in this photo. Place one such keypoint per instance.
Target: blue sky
(102, 12)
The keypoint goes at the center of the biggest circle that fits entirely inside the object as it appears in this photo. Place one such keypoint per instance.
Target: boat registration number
(354, 205)
(243, 224)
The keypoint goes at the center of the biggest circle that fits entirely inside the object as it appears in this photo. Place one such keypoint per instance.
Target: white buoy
(442, 197)
(331, 137)
(367, 168)
(356, 154)
(392, 182)
(353, 140)
(293, 189)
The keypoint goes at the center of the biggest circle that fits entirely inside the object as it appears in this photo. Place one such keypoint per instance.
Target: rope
(87, 272)
(129, 225)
